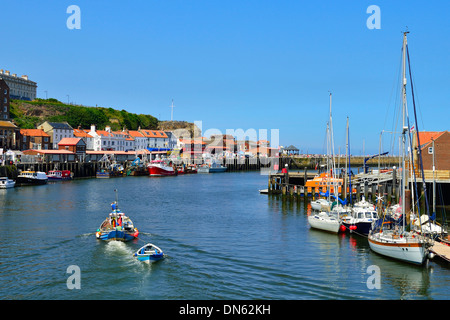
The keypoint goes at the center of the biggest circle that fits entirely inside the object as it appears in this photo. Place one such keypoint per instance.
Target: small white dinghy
(149, 253)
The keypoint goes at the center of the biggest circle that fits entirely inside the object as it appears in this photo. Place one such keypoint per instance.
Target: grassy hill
(28, 114)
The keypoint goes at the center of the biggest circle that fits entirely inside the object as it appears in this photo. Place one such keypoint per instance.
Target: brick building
(4, 100)
(441, 149)
(35, 139)
(76, 145)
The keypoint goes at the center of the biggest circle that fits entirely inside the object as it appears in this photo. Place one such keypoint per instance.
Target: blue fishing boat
(149, 253)
(117, 226)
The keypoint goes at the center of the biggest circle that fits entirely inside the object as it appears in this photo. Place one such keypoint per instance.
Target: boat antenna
(117, 199)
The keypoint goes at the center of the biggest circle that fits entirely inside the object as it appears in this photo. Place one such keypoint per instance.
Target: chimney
(7, 72)
(108, 129)
(25, 77)
(93, 128)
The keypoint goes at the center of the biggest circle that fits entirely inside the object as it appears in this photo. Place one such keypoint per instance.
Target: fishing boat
(109, 168)
(161, 168)
(213, 167)
(187, 169)
(6, 183)
(59, 175)
(204, 168)
(217, 167)
(391, 239)
(360, 220)
(30, 177)
(149, 253)
(137, 168)
(117, 226)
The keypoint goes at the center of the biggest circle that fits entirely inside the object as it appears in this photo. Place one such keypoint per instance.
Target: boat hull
(408, 252)
(319, 204)
(149, 254)
(7, 184)
(156, 171)
(359, 227)
(31, 181)
(203, 170)
(317, 222)
(108, 174)
(150, 258)
(215, 170)
(117, 235)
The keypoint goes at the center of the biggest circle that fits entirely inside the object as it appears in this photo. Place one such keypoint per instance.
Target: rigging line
(417, 134)
(392, 91)
(412, 162)
(395, 117)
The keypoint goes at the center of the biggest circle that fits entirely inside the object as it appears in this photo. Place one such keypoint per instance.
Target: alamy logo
(74, 280)
(374, 21)
(74, 20)
(374, 280)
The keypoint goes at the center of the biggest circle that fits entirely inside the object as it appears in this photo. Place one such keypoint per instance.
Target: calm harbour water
(223, 240)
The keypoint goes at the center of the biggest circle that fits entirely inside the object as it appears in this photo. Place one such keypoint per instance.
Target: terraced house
(155, 138)
(57, 131)
(35, 139)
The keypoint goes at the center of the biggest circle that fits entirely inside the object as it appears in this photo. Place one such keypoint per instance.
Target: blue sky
(239, 64)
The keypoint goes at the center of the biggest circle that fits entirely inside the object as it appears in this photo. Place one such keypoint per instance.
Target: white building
(140, 142)
(19, 87)
(156, 138)
(56, 131)
(124, 141)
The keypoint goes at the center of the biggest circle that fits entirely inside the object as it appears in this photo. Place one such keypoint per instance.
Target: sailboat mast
(434, 181)
(346, 162)
(333, 165)
(405, 128)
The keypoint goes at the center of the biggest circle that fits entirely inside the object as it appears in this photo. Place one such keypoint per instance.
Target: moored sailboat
(392, 240)
(328, 219)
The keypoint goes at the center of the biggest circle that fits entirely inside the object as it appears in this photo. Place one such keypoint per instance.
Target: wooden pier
(441, 250)
(372, 184)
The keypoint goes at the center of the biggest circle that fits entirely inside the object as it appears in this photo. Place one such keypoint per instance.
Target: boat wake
(118, 248)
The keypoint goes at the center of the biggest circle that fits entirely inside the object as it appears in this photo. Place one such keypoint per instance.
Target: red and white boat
(59, 175)
(160, 168)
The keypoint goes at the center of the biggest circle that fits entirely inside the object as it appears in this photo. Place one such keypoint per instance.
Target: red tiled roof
(33, 133)
(80, 133)
(194, 141)
(135, 134)
(69, 141)
(426, 136)
(104, 133)
(154, 134)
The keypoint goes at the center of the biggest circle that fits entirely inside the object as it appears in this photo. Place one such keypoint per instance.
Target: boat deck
(441, 250)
